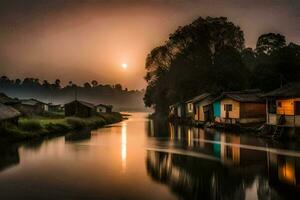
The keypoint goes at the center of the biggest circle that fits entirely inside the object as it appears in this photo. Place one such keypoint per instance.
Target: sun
(124, 66)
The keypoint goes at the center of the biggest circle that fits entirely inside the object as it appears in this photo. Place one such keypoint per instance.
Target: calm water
(142, 159)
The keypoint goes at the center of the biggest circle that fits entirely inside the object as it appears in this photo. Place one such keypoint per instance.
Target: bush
(76, 123)
(54, 115)
(81, 123)
(112, 117)
(12, 132)
(30, 125)
(57, 128)
(96, 123)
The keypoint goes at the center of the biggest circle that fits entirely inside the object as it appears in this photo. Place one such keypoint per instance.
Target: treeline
(209, 55)
(93, 92)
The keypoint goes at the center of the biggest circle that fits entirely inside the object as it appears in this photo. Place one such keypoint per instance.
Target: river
(140, 158)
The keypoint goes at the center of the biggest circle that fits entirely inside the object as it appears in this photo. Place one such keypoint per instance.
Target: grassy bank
(39, 127)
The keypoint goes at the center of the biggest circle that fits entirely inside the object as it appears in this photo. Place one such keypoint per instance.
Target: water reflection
(9, 156)
(124, 145)
(243, 168)
(284, 172)
(78, 136)
(142, 159)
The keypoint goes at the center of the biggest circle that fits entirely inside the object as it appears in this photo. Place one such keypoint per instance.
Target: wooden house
(240, 107)
(189, 109)
(200, 108)
(101, 108)
(283, 106)
(177, 110)
(4, 99)
(31, 107)
(9, 114)
(79, 109)
(54, 107)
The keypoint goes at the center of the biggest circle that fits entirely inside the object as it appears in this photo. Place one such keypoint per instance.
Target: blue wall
(217, 109)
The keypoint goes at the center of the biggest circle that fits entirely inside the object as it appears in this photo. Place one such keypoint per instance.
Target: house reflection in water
(230, 154)
(191, 178)
(238, 172)
(225, 147)
(284, 172)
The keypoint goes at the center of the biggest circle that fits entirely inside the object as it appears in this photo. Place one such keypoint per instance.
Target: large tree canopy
(209, 55)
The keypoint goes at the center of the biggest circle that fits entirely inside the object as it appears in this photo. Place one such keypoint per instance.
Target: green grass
(34, 127)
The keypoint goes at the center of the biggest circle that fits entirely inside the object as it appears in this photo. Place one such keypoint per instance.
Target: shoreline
(44, 127)
(260, 130)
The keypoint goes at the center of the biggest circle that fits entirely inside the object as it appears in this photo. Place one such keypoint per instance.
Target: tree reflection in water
(237, 173)
(9, 156)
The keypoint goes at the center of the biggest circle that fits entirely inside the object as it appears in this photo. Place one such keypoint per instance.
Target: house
(240, 107)
(101, 108)
(4, 99)
(54, 108)
(177, 110)
(283, 106)
(31, 107)
(199, 108)
(79, 109)
(9, 114)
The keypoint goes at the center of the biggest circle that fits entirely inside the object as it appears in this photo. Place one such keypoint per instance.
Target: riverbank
(43, 127)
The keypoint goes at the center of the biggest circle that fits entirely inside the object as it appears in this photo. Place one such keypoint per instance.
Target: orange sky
(86, 40)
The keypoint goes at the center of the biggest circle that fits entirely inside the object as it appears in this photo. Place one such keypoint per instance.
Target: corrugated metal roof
(253, 96)
(287, 91)
(8, 112)
(106, 106)
(90, 105)
(30, 102)
(199, 98)
(6, 99)
(87, 104)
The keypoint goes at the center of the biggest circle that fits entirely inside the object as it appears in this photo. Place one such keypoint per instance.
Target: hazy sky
(82, 40)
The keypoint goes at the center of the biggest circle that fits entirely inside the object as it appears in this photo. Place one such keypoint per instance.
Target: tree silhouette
(267, 43)
(94, 83)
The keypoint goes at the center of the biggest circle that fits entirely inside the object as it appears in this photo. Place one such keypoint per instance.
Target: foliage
(191, 62)
(30, 125)
(29, 128)
(57, 94)
(76, 123)
(209, 55)
(270, 42)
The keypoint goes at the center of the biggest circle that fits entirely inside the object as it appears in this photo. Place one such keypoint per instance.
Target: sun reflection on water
(124, 145)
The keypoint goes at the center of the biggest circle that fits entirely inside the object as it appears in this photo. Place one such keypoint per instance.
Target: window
(228, 107)
(279, 104)
(191, 107)
(272, 106)
(297, 107)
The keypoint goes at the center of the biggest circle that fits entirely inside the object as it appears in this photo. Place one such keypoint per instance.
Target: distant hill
(121, 99)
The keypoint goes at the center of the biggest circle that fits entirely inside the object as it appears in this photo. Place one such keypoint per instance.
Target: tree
(118, 87)
(57, 84)
(270, 42)
(46, 84)
(229, 70)
(280, 67)
(94, 83)
(249, 58)
(187, 63)
(18, 81)
(87, 85)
